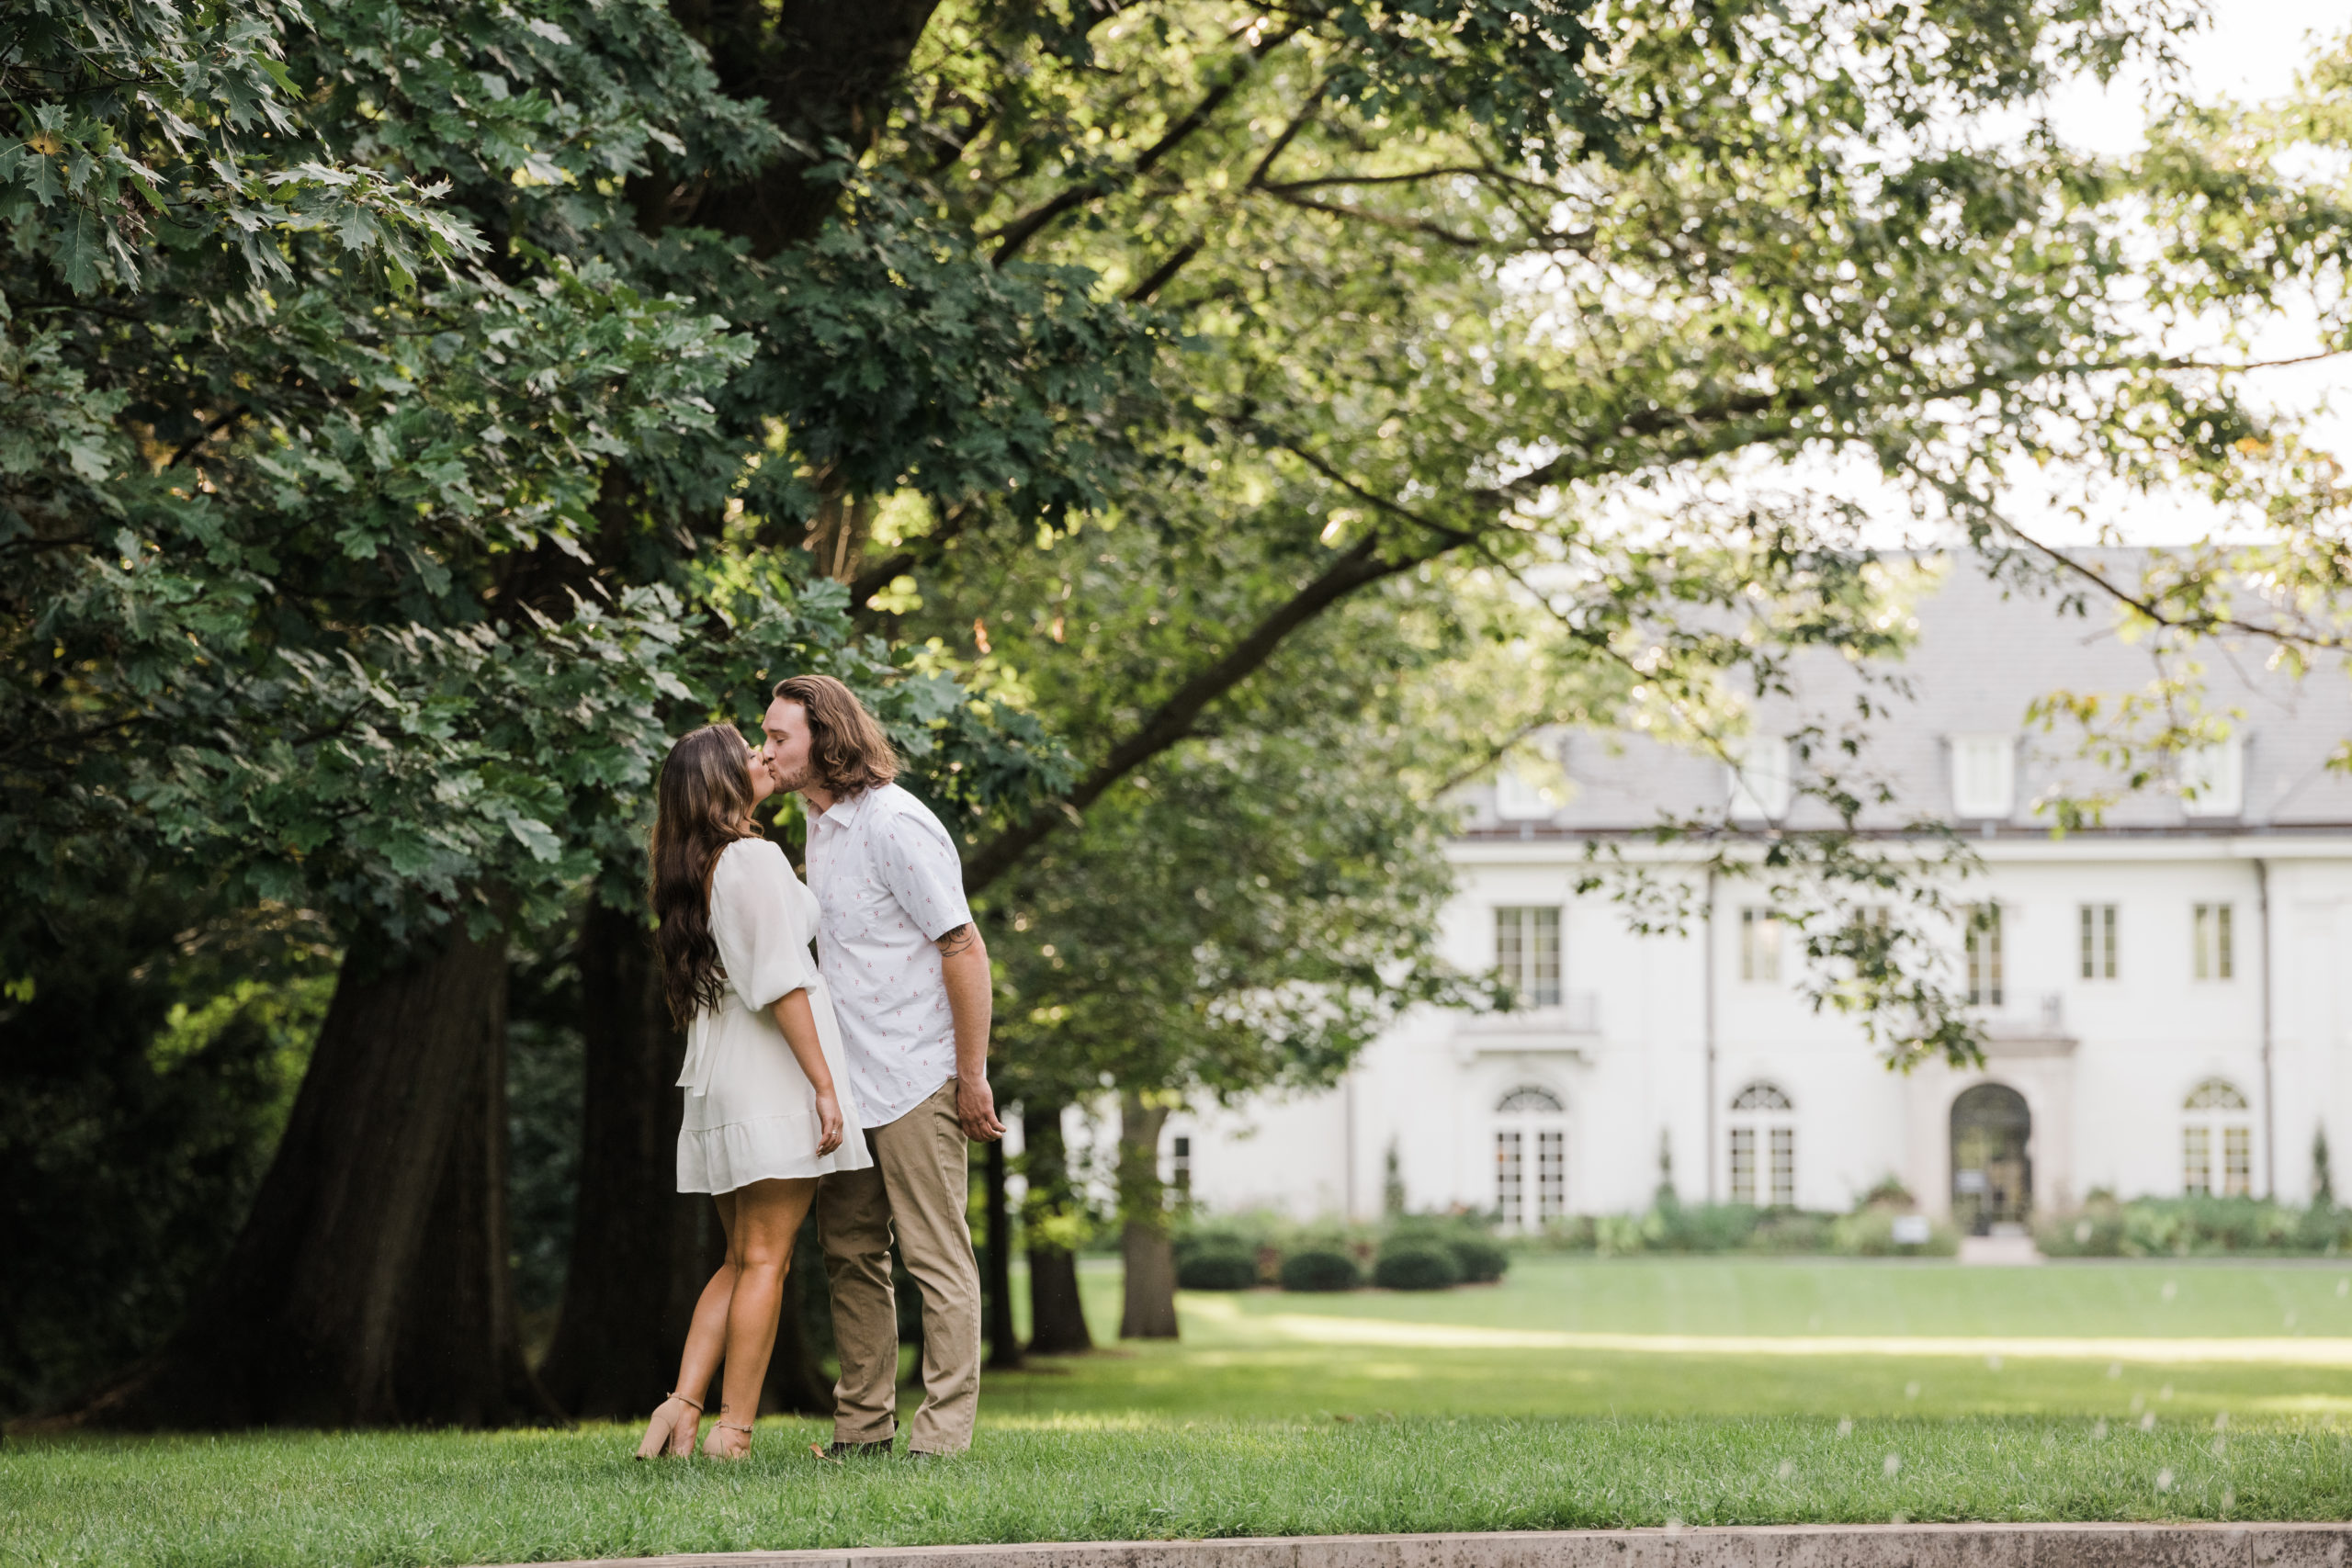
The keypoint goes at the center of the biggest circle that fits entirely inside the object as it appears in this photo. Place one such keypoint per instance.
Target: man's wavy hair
(847, 749)
(702, 804)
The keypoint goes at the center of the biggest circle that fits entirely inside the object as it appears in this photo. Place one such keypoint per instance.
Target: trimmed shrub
(1791, 1233)
(1481, 1258)
(1870, 1232)
(1218, 1269)
(1416, 1266)
(1317, 1268)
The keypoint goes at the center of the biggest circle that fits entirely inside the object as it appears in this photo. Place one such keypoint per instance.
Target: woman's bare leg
(759, 1252)
(676, 1423)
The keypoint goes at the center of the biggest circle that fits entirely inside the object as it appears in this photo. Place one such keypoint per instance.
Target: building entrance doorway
(1992, 1172)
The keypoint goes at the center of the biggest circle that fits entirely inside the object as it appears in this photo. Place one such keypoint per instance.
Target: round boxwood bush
(1416, 1266)
(1319, 1270)
(1481, 1260)
(1217, 1269)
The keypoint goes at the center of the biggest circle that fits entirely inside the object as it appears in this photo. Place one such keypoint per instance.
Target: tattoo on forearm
(958, 940)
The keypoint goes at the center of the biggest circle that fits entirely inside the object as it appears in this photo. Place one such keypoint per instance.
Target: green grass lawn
(1285, 1414)
(1255, 1354)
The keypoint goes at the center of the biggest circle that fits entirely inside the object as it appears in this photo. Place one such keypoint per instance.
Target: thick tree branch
(1174, 719)
(1021, 230)
(1165, 273)
(1384, 219)
(921, 553)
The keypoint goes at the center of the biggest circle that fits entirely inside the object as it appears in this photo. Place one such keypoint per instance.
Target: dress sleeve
(761, 932)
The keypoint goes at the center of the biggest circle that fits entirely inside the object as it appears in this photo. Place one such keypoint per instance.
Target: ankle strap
(730, 1425)
(682, 1399)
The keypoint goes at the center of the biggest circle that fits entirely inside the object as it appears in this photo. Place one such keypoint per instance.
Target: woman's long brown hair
(702, 804)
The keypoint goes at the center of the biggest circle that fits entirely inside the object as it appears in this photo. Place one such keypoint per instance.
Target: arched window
(1531, 1128)
(1763, 1146)
(2214, 1122)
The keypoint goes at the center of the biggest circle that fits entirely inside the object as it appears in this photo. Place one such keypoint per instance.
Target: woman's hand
(799, 1021)
(829, 1120)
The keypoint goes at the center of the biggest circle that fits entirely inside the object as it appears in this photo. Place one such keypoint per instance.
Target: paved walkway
(1763, 1546)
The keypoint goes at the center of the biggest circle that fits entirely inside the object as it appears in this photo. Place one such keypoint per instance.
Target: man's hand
(964, 965)
(975, 1108)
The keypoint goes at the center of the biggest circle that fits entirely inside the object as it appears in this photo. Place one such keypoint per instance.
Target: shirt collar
(846, 811)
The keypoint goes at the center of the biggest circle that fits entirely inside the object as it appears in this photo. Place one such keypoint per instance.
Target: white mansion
(2163, 994)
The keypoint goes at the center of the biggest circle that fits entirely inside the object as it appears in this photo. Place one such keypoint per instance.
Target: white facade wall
(2104, 1065)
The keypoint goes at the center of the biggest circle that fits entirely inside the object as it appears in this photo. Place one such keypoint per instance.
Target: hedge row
(1432, 1257)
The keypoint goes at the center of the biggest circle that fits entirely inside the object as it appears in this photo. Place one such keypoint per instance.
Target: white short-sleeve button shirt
(889, 885)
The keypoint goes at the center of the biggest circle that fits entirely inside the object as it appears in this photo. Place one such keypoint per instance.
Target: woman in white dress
(763, 1052)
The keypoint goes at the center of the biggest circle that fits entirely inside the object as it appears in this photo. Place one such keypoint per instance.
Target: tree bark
(1004, 1338)
(640, 1249)
(459, 1358)
(1056, 1314)
(368, 1285)
(1149, 1308)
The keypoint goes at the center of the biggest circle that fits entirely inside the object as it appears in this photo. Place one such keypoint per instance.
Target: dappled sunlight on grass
(1253, 1425)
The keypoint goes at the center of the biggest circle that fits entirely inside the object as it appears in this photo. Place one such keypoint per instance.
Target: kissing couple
(852, 1082)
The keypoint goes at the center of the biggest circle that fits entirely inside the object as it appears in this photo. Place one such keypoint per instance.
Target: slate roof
(1983, 652)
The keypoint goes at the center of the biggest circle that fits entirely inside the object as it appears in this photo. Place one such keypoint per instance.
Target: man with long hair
(909, 978)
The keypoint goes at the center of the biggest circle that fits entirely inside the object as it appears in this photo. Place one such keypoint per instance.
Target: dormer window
(2212, 779)
(1984, 776)
(1761, 779)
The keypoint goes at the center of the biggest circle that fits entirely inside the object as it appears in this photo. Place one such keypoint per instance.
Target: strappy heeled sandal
(669, 1447)
(708, 1452)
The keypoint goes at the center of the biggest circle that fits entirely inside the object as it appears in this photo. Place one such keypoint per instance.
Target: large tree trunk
(1056, 1314)
(368, 1286)
(1004, 1338)
(1149, 1308)
(641, 1251)
(460, 1360)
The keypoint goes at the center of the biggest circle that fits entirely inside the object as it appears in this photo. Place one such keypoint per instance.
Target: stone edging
(1758, 1546)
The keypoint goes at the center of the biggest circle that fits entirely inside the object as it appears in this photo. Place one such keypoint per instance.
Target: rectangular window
(2237, 1161)
(1784, 1167)
(2214, 958)
(1180, 1171)
(1743, 1165)
(1984, 956)
(1550, 1175)
(1510, 1191)
(2098, 941)
(1759, 945)
(1527, 951)
(1984, 775)
(2196, 1161)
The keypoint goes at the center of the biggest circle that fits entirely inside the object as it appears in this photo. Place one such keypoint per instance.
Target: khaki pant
(917, 1186)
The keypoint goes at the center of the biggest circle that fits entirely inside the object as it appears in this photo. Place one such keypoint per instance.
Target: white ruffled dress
(750, 1111)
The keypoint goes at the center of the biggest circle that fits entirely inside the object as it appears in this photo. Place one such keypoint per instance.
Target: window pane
(2106, 923)
(1743, 1165)
(1509, 1191)
(1543, 983)
(2237, 1161)
(1507, 948)
(2196, 1161)
(2222, 955)
(1984, 956)
(1784, 1167)
(2090, 948)
(1550, 1175)
(1759, 945)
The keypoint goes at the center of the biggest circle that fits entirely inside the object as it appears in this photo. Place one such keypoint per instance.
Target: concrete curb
(1758, 1546)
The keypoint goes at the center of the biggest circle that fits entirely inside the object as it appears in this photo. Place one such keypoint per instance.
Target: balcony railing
(1576, 1013)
